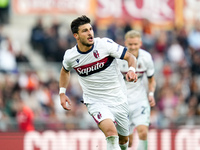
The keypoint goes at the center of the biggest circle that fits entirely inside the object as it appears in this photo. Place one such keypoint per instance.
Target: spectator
(161, 43)
(194, 37)
(50, 44)
(195, 68)
(37, 35)
(175, 53)
(7, 56)
(21, 58)
(147, 35)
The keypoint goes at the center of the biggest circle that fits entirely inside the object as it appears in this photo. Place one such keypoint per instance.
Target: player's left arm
(151, 87)
(132, 63)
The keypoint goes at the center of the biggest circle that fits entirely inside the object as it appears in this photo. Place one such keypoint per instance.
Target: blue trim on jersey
(150, 76)
(123, 53)
(84, 52)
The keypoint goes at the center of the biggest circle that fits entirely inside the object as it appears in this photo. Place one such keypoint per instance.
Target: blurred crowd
(28, 101)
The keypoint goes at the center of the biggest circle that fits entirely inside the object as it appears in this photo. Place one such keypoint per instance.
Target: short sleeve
(66, 63)
(150, 66)
(115, 50)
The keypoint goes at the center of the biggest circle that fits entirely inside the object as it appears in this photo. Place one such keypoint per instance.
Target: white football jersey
(98, 73)
(137, 91)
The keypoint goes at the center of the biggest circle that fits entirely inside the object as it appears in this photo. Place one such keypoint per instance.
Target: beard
(87, 44)
(83, 42)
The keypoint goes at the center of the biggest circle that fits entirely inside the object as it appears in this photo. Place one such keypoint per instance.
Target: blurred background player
(102, 83)
(140, 98)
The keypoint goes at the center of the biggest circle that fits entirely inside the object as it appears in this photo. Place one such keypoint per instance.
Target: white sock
(143, 145)
(113, 143)
(124, 146)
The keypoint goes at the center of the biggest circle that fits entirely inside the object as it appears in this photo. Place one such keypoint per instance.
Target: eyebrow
(85, 29)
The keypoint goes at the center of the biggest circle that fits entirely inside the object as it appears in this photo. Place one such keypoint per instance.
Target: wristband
(132, 69)
(151, 93)
(62, 90)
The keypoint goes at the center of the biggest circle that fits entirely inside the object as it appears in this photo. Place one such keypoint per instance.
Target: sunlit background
(34, 35)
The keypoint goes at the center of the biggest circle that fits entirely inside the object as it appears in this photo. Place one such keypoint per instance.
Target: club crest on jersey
(139, 65)
(96, 54)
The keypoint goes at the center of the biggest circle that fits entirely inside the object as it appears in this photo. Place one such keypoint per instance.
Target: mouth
(90, 39)
(133, 49)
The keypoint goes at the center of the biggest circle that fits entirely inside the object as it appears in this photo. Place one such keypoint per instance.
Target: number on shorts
(143, 110)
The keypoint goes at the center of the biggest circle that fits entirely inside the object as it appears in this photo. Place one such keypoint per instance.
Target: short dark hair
(78, 22)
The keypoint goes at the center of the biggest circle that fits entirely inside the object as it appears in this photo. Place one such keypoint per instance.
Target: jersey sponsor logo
(96, 54)
(94, 67)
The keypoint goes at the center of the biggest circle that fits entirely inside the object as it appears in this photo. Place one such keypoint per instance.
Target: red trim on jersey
(95, 120)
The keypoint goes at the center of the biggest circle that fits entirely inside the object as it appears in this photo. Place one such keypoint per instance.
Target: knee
(110, 132)
(123, 140)
(108, 128)
(142, 134)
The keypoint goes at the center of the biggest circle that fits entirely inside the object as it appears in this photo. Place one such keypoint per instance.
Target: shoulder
(104, 39)
(103, 42)
(145, 56)
(71, 51)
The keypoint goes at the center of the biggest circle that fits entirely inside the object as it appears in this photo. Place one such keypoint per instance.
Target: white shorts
(139, 114)
(119, 115)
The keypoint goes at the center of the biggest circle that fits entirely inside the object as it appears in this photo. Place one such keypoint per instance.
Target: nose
(90, 32)
(132, 47)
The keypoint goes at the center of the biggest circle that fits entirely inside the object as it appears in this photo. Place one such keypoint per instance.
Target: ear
(75, 36)
(125, 43)
(141, 43)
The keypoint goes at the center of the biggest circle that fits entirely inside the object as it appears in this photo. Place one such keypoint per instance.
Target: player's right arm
(132, 63)
(63, 83)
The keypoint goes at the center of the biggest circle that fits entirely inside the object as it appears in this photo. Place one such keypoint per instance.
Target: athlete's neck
(134, 52)
(84, 48)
